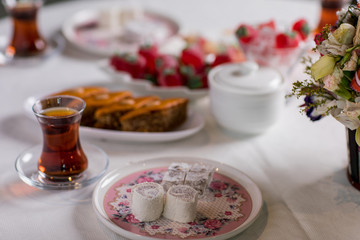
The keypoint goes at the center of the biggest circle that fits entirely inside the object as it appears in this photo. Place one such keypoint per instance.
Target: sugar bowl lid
(246, 77)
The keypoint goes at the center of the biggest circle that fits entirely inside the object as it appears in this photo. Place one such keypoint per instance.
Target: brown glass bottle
(26, 39)
(328, 12)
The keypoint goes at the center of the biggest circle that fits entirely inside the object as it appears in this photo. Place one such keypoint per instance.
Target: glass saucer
(27, 162)
(56, 45)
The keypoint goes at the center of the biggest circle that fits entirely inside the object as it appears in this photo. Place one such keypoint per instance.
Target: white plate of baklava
(124, 116)
(177, 198)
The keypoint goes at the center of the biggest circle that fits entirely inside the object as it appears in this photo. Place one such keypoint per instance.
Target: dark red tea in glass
(62, 157)
(26, 39)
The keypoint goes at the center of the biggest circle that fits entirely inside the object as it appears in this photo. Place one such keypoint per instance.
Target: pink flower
(218, 185)
(124, 203)
(131, 219)
(183, 230)
(155, 226)
(145, 179)
(318, 39)
(228, 213)
(212, 224)
(217, 195)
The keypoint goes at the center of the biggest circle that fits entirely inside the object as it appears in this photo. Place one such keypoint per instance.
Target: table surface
(299, 165)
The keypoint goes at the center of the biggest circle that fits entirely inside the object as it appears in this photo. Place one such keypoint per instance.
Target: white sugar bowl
(246, 98)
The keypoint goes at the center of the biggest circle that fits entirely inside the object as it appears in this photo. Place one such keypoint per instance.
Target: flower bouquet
(333, 87)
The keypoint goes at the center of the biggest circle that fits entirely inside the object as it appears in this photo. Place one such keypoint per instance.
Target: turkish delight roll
(147, 201)
(181, 202)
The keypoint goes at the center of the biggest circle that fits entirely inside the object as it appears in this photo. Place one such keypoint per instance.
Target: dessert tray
(146, 87)
(105, 31)
(193, 124)
(231, 203)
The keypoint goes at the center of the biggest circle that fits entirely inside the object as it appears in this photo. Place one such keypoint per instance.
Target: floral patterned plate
(231, 203)
(117, 28)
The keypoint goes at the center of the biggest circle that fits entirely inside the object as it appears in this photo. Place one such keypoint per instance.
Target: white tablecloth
(298, 165)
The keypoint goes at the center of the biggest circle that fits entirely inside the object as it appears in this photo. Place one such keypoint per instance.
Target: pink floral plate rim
(210, 228)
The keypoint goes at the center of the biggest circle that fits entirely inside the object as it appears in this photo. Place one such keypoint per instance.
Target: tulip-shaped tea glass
(26, 39)
(62, 157)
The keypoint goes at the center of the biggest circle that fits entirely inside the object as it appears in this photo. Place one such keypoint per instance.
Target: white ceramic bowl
(246, 98)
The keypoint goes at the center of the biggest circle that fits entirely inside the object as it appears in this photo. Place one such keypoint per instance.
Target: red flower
(145, 179)
(128, 190)
(131, 219)
(124, 203)
(218, 185)
(155, 226)
(318, 39)
(228, 213)
(218, 195)
(212, 224)
(183, 230)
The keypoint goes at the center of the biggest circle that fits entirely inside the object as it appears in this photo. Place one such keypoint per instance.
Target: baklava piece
(166, 116)
(83, 92)
(108, 117)
(98, 101)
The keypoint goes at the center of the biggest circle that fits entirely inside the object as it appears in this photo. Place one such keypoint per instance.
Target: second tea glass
(26, 38)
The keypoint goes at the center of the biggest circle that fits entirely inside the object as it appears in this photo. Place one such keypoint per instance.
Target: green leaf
(194, 82)
(346, 79)
(344, 93)
(346, 58)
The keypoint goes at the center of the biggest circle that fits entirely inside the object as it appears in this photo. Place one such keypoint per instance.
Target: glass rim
(78, 112)
(12, 3)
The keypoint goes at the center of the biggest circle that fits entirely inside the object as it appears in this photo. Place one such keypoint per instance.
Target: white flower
(349, 17)
(332, 81)
(347, 113)
(332, 46)
(323, 108)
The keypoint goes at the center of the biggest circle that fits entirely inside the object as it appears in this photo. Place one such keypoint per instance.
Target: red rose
(218, 185)
(212, 224)
(183, 230)
(124, 203)
(145, 179)
(131, 219)
(228, 213)
(218, 195)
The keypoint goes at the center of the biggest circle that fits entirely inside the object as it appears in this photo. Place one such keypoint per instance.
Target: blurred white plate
(146, 87)
(115, 29)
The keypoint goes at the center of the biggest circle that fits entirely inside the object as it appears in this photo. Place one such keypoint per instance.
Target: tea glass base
(55, 45)
(26, 166)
